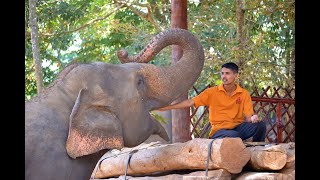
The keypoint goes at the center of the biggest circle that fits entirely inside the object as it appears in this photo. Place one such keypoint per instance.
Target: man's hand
(254, 118)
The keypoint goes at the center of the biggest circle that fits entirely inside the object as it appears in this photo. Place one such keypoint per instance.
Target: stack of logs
(229, 158)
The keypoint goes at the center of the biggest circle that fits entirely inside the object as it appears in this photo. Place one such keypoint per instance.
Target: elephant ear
(92, 127)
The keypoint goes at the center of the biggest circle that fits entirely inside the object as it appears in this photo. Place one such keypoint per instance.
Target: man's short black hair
(232, 66)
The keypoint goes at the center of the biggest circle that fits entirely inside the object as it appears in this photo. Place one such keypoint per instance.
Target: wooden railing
(275, 106)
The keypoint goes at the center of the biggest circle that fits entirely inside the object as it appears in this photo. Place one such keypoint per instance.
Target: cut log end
(267, 158)
(234, 155)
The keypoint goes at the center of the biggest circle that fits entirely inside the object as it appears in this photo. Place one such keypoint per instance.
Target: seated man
(230, 108)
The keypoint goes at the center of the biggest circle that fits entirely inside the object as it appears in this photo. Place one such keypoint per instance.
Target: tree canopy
(88, 31)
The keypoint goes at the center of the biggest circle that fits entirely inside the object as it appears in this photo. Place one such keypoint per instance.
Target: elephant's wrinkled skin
(91, 108)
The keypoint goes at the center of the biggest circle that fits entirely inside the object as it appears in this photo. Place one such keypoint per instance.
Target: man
(230, 108)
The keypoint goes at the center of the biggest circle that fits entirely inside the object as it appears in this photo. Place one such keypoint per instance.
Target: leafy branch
(84, 25)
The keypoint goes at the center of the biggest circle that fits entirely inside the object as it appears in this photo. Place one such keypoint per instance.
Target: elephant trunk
(165, 84)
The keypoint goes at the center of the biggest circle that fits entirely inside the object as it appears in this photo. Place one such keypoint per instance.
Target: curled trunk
(165, 84)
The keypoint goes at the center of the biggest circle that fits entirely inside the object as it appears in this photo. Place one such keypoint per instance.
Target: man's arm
(183, 104)
(248, 109)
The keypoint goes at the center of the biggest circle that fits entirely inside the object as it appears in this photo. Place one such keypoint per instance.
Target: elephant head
(113, 102)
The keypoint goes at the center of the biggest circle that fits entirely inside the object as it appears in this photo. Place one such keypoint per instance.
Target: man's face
(228, 76)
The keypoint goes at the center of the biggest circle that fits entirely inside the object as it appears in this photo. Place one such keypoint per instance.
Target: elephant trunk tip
(164, 135)
(123, 56)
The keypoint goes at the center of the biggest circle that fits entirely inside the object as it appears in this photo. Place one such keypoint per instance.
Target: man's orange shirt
(225, 112)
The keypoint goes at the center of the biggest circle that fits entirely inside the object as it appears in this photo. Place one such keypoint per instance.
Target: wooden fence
(275, 106)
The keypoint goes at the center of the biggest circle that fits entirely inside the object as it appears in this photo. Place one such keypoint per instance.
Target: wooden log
(291, 172)
(289, 168)
(219, 174)
(227, 153)
(290, 151)
(264, 158)
(263, 176)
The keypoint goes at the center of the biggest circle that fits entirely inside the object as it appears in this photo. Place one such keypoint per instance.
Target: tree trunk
(240, 34)
(35, 44)
(180, 117)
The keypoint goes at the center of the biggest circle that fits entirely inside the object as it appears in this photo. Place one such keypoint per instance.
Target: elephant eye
(140, 82)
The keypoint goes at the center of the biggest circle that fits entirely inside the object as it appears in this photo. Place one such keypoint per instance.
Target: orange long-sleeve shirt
(225, 112)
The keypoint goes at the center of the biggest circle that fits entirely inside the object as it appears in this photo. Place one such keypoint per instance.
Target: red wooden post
(180, 117)
(279, 122)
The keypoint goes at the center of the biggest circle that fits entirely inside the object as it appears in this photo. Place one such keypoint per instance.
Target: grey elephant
(92, 108)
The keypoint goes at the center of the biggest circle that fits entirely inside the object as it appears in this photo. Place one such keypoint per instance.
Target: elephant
(91, 108)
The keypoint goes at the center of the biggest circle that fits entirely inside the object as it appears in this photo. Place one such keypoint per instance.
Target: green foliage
(269, 50)
(159, 117)
(80, 31)
(30, 83)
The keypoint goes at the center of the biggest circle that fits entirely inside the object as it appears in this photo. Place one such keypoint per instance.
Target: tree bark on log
(291, 158)
(219, 174)
(291, 172)
(263, 158)
(264, 176)
(227, 153)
